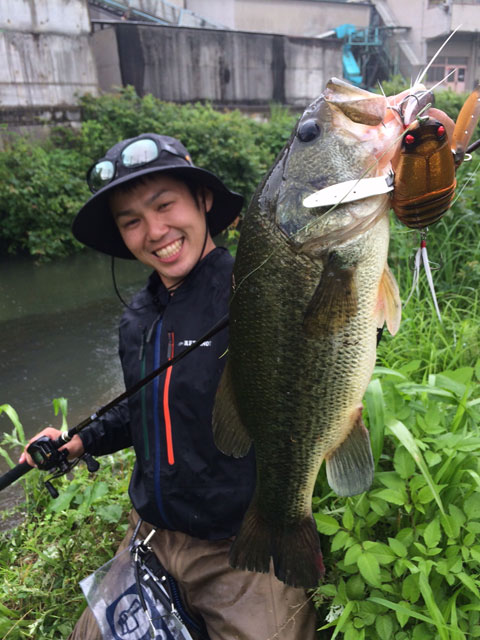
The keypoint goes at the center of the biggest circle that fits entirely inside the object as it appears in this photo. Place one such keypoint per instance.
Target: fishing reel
(47, 456)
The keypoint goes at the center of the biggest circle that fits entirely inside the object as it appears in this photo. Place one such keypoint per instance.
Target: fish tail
(295, 549)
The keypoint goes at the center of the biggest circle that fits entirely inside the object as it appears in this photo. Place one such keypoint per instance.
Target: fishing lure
(425, 168)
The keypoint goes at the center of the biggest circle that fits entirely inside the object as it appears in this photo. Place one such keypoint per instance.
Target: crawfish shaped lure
(424, 184)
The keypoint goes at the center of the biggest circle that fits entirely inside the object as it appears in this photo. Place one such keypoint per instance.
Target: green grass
(58, 542)
(403, 559)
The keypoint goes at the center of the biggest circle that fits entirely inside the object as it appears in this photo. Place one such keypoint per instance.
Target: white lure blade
(422, 257)
(349, 191)
(416, 274)
(428, 273)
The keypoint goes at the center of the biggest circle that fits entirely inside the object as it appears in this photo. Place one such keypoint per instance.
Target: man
(151, 203)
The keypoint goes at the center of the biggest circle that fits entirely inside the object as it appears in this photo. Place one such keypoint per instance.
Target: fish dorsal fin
(334, 301)
(229, 432)
(389, 306)
(350, 467)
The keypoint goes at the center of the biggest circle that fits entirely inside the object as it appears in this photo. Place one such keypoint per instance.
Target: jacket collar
(160, 293)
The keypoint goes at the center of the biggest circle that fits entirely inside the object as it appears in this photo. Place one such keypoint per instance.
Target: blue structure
(365, 59)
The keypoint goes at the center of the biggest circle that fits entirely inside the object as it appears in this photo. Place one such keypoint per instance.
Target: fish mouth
(170, 250)
(359, 105)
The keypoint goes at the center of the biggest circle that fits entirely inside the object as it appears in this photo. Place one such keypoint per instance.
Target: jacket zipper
(156, 421)
(166, 407)
(143, 395)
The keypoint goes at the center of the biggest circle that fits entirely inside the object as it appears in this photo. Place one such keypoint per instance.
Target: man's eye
(130, 223)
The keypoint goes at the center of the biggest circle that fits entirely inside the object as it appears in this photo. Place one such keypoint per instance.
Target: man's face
(163, 226)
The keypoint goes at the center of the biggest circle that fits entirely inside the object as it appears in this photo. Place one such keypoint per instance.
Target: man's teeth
(170, 250)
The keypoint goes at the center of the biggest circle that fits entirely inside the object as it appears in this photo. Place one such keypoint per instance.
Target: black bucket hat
(94, 225)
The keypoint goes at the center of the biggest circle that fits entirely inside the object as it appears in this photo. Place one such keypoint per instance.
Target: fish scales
(303, 321)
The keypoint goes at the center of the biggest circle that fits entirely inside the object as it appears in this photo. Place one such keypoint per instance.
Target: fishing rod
(45, 452)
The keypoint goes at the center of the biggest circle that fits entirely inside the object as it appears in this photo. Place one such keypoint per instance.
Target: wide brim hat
(94, 225)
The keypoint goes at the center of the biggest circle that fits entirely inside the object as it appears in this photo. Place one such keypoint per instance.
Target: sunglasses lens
(101, 174)
(139, 152)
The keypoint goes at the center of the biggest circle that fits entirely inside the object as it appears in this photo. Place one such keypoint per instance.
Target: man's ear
(205, 195)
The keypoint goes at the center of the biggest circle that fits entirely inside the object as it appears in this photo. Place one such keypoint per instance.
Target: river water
(58, 337)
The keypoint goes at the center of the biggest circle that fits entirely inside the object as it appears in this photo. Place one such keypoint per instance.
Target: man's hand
(74, 447)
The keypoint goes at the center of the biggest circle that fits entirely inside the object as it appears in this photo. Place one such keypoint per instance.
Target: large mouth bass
(311, 287)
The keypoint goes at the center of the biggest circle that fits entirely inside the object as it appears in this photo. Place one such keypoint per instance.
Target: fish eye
(308, 131)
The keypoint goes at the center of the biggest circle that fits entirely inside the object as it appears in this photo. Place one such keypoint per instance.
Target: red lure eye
(440, 131)
(409, 139)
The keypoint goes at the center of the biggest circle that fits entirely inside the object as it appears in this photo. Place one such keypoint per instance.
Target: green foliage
(402, 559)
(40, 192)
(42, 184)
(58, 541)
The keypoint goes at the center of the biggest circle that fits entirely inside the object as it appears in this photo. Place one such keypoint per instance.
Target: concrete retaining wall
(225, 67)
(46, 58)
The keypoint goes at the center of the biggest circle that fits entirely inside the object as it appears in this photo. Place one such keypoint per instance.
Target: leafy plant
(58, 541)
(42, 184)
(403, 560)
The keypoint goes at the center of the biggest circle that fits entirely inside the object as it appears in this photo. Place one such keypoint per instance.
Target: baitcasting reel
(47, 456)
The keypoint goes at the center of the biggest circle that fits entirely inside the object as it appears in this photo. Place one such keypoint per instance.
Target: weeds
(403, 558)
(58, 542)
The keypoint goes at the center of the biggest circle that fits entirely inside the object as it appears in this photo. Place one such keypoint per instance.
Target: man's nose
(156, 227)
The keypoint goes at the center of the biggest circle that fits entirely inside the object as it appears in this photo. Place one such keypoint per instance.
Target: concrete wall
(219, 11)
(299, 18)
(225, 67)
(45, 53)
(292, 17)
(430, 24)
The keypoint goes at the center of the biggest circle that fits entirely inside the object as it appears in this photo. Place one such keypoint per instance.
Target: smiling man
(151, 203)
(162, 222)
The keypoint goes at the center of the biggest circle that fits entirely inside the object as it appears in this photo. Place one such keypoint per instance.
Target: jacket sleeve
(109, 433)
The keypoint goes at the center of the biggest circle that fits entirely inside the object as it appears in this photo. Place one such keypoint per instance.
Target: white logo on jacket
(188, 343)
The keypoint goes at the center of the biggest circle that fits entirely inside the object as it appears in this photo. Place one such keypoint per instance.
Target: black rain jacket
(181, 481)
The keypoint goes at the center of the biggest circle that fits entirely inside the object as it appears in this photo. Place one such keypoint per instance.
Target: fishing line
(422, 74)
(466, 183)
(292, 617)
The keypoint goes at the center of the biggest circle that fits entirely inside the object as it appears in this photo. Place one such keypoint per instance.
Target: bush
(403, 559)
(42, 184)
(58, 542)
(40, 192)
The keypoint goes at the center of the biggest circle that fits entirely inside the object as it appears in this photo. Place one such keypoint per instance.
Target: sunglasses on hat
(136, 154)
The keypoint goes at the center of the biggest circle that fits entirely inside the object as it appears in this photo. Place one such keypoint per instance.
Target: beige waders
(236, 605)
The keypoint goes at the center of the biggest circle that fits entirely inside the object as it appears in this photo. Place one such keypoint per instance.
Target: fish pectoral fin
(389, 308)
(350, 467)
(333, 303)
(229, 432)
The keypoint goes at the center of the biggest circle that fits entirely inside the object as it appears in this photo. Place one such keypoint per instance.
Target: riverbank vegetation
(42, 183)
(403, 559)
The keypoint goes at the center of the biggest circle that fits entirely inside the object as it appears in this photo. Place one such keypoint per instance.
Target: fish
(311, 286)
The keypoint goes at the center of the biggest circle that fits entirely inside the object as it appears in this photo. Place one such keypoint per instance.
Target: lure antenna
(421, 75)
